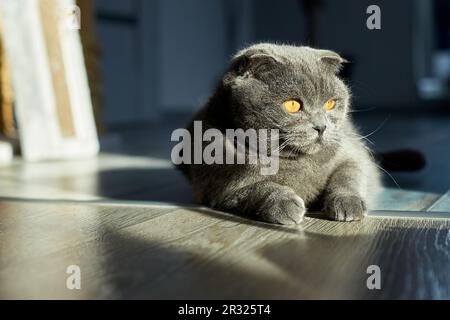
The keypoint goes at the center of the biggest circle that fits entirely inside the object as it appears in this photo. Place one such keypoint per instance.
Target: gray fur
(335, 174)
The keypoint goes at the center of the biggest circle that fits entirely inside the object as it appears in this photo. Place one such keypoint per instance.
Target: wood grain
(143, 251)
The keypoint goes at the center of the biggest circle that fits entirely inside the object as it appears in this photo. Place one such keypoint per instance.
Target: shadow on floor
(307, 265)
(162, 185)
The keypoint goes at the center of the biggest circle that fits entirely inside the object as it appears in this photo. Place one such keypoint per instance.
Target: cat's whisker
(361, 110)
(294, 150)
(284, 144)
(385, 171)
(378, 128)
(360, 138)
(282, 147)
(279, 137)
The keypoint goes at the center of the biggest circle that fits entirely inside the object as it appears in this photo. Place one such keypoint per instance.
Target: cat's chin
(308, 149)
(315, 146)
(312, 148)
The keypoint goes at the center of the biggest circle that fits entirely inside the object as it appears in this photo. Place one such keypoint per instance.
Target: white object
(48, 67)
(6, 153)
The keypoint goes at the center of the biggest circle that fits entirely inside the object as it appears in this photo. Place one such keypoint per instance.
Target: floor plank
(396, 199)
(142, 251)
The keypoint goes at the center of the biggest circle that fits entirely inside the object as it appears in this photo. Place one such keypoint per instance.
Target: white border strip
(438, 201)
(156, 204)
(409, 214)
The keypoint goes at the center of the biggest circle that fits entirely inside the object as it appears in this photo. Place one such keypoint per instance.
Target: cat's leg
(345, 195)
(265, 201)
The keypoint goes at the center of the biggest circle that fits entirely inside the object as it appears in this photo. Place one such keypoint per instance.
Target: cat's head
(294, 89)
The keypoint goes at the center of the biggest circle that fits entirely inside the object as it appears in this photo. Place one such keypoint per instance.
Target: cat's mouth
(314, 146)
(305, 147)
(320, 140)
(314, 141)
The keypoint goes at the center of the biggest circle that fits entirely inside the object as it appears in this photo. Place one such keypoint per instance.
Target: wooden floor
(128, 221)
(142, 251)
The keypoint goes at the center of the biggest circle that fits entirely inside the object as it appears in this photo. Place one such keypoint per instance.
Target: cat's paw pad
(346, 208)
(283, 206)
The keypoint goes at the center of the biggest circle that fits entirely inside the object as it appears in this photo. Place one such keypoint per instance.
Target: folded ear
(331, 60)
(253, 62)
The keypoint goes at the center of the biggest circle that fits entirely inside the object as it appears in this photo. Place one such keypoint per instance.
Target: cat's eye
(292, 106)
(330, 104)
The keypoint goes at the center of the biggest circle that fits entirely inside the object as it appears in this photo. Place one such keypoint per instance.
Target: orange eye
(292, 106)
(330, 104)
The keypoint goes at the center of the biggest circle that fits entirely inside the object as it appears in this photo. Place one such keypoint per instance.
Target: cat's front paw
(346, 208)
(282, 206)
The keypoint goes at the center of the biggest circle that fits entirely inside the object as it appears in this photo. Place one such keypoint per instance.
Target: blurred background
(151, 64)
(161, 60)
(180, 48)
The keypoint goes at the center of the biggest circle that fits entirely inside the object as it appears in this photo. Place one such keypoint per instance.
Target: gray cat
(323, 162)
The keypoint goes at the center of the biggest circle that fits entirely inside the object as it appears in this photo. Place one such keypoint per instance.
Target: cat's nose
(320, 129)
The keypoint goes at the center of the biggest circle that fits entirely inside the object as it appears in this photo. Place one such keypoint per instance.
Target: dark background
(162, 58)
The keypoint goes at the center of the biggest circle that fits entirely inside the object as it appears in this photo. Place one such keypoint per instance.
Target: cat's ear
(331, 61)
(255, 63)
